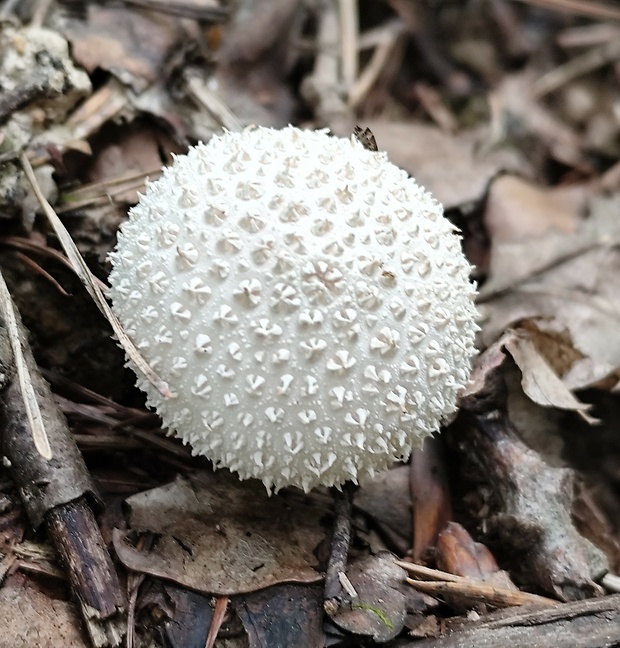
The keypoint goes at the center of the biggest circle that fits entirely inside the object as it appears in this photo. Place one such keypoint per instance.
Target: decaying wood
(594, 623)
(55, 492)
(21, 96)
(73, 529)
(530, 501)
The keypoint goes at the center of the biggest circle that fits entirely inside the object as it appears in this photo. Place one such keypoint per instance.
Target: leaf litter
(531, 177)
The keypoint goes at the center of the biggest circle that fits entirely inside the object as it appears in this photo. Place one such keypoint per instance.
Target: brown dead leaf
(133, 152)
(457, 553)
(447, 165)
(222, 536)
(566, 283)
(132, 45)
(516, 209)
(431, 496)
(539, 381)
(284, 615)
(555, 346)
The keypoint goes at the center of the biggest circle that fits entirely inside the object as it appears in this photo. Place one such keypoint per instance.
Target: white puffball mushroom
(305, 300)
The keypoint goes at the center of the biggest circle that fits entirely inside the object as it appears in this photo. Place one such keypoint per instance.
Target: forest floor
(501, 531)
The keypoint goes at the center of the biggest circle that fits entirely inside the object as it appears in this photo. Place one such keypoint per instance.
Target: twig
(588, 8)
(21, 243)
(437, 582)
(611, 582)
(54, 492)
(324, 87)
(33, 265)
(82, 551)
(221, 605)
(181, 9)
(349, 26)
(373, 69)
(337, 595)
(210, 100)
(40, 12)
(578, 66)
(7, 8)
(21, 96)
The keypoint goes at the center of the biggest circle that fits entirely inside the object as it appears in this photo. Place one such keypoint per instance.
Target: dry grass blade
(31, 405)
(85, 276)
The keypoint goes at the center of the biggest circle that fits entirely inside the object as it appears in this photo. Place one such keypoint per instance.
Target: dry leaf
(516, 209)
(133, 45)
(222, 536)
(457, 553)
(566, 283)
(394, 519)
(379, 609)
(539, 381)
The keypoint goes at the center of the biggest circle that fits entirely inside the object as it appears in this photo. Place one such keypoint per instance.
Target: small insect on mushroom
(366, 138)
(305, 300)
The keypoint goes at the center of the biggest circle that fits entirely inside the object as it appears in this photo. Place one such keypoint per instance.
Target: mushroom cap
(305, 300)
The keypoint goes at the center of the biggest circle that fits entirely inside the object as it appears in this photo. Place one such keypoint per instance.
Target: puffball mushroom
(305, 300)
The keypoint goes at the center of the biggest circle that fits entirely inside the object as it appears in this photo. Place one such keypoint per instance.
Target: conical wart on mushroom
(305, 300)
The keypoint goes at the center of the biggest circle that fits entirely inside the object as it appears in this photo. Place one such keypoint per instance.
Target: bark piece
(583, 624)
(78, 541)
(530, 502)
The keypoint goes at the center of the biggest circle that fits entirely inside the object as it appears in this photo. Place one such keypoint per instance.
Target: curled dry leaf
(568, 282)
(458, 554)
(539, 381)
